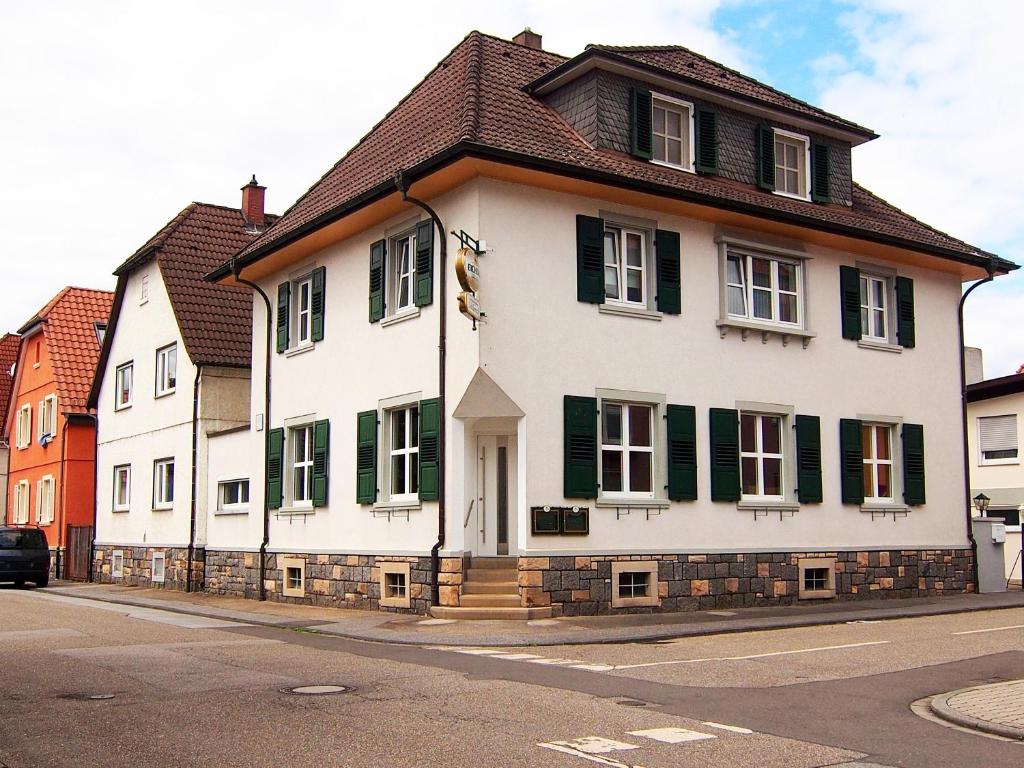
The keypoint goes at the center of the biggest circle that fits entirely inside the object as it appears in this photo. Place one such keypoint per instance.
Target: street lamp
(981, 501)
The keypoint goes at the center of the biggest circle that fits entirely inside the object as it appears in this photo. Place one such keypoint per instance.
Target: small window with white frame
(24, 426)
(634, 583)
(44, 500)
(159, 568)
(764, 288)
(792, 164)
(627, 449)
(144, 290)
(47, 418)
(874, 307)
(876, 444)
(123, 379)
(122, 487)
(166, 369)
(997, 439)
(762, 457)
(302, 312)
(401, 279)
(672, 122)
(300, 464)
(403, 460)
(626, 265)
(21, 501)
(163, 484)
(394, 585)
(293, 576)
(117, 563)
(233, 495)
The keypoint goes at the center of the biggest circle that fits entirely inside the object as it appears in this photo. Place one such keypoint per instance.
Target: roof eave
(108, 340)
(993, 388)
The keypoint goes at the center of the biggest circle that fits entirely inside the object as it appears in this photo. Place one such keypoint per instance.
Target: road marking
(554, 662)
(594, 667)
(724, 727)
(672, 735)
(595, 745)
(558, 746)
(158, 615)
(478, 651)
(520, 656)
(991, 629)
(17, 635)
(753, 656)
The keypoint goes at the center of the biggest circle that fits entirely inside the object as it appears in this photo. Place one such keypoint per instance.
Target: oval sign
(467, 269)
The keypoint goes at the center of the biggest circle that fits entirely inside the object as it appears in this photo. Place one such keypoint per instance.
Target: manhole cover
(318, 690)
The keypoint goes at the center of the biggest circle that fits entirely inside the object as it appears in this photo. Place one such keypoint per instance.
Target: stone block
(449, 596)
(662, 589)
(763, 570)
(699, 587)
(451, 565)
(883, 559)
(583, 563)
(562, 563)
(732, 585)
(863, 558)
(534, 563)
(552, 580)
(531, 578)
(780, 588)
(579, 595)
(533, 597)
(449, 578)
(885, 583)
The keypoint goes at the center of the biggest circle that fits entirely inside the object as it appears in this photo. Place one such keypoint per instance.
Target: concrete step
(490, 588)
(494, 614)
(492, 574)
(489, 601)
(494, 562)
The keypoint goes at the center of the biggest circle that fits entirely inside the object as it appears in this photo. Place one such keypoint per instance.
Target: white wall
(232, 456)
(995, 475)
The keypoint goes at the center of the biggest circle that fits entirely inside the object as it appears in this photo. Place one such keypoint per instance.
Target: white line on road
(991, 629)
(592, 758)
(672, 735)
(753, 656)
(724, 727)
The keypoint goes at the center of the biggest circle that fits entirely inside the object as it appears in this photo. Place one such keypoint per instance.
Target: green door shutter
(424, 263)
(589, 259)
(321, 458)
(275, 467)
(913, 464)
(317, 303)
(641, 128)
(765, 171)
(851, 461)
(725, 454)
(905, 312)
(377, 274)
(666, 247)
(284, 291)
(808, 459)
(430, 451)
(681, 425)
(706, 140)
(820, 170)
(580, 449)
(366, 457)
(849, 302)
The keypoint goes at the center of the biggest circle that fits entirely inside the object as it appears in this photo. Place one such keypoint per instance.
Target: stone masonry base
(137, 566)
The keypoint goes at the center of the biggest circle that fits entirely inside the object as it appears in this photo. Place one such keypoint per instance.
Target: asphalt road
(184, 690)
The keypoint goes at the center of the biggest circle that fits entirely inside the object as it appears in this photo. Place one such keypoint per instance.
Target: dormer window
(792, 159)
(672, 132)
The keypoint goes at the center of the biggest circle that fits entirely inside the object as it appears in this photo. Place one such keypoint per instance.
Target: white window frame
(292, 443)
(759, 455)
(24, 427)
(21, 502)
(409, 451)
(166, 370)
(874, 462)
(983, 461)
(225, 506)
(124, 373)
(620, 233)
(687, 149)
(47, 418)
(302, 317)
(44, 500)
(144, 290)
(803, 168)
(125, 504)
(393, 302)
(625, 448)
(117, 563)
(746, 259)
(163, 490)
(158, 575)
(869, 308)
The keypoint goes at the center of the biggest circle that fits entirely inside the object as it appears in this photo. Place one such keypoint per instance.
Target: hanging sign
(467, 269)
(469, 305)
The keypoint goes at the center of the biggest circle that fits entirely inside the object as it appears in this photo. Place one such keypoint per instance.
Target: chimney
(252, 202)
(529, 38)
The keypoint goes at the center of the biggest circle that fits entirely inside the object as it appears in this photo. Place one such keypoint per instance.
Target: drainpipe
(441, 354)
(60, 516)
(195, 444)
(95, 489)
(236, 271)
(963, 414)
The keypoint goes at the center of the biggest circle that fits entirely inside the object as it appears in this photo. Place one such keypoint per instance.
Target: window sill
(673, 166)
(998, 462)
(398, 317)
(122, 407)
(292, 351)
(158, 395)
(884, 508)
(791, 196)
(413, 504)
(295, 511)
(163, 508)
(632, 503)
(230, 512)
(765, 329)
(120, 511)
(769, 505)
(881, 346)
(625, 311)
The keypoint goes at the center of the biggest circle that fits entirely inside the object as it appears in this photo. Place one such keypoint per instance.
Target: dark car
(24, 556)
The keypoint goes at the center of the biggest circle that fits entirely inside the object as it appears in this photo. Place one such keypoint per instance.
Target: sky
(115, 115)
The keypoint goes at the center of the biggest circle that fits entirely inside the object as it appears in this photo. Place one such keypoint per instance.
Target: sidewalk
(378, 626)
(997, 708)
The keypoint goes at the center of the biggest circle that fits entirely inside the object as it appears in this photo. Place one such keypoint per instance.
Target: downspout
(60, 516)
(963, 414)
(236, 271)
(195, 449)
(441, 355)
(95, 488)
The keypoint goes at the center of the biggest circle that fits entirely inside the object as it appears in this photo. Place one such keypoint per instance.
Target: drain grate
(318, 690)
(633, 703)
(87, 696)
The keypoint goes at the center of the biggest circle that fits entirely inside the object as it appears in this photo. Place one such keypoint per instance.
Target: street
(90, 683)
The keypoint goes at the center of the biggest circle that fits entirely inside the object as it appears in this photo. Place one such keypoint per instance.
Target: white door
(495, 494)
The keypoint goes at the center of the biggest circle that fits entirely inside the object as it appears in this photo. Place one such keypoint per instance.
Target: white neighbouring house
(712, 370)
(173, 371)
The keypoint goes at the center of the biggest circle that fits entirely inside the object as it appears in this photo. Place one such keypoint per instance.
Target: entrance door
(76, 553)
(495, 493)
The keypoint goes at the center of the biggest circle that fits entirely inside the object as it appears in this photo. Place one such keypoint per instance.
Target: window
(402, 272)
(876, 443)
(163, 483)
(122, 487)
(634, 583)
(166, 369)
(293, 578)
(301, 439)
(874, 308)
(117, 563)
(403, 464)
(21, 494)
(101, 332)
(302, 320)
(997, 437)
(672, 121)
(233, 494)
(761, 456)
(159, 568)
(144, 290)
(44, 500)
(817, 578)
(47, 418)
(24, 427)
(293, 575)
(123, 386)
(625, 270)
(394, 585)
(791, 164)
(764, 288)
(627, 449)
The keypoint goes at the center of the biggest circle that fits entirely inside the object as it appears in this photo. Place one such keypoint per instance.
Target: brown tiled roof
(8, 357)
(475, 103)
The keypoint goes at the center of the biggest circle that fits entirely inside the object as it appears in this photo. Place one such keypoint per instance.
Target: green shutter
(765, 140)
(905, 312)
(284, 291)
(851, 461)
(681, 425)
(321, 459)
(580, 448)
(366, 457)
(725, 454)
(820, 179)
(666, 247)
(808, 459)
(706, 140)
(275, 467)
(424, 262)
(913, 464)
(430, 449)
(589, 259)
(641, 128)
(317, 303)
(849, 302)
(377, 275)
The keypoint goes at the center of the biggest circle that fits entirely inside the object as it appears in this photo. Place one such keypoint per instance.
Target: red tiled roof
(475, 102)
(8, 357)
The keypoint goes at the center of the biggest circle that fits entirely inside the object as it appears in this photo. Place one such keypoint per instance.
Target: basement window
(294, 575)
(634, 584)
(159, 569)
(817, 578)
(117, 564)
(394, 585)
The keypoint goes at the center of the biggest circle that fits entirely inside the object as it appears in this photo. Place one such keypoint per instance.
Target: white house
(174, 369)
(709, 369)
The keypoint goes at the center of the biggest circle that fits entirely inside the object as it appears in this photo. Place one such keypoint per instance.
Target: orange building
(51, 476)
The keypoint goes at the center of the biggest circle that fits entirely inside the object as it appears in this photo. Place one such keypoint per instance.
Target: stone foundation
(138, 566)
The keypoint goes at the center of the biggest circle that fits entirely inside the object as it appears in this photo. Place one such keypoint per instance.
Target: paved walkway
(418, 630)
(997, 708)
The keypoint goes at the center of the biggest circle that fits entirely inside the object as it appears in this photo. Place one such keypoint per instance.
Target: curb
(939, 705)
